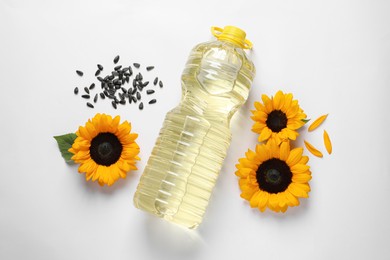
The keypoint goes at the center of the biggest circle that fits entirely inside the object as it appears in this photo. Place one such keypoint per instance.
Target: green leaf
(305, 120)
(64, 143)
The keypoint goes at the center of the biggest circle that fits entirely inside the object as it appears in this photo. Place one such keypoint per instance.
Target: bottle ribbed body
(188, 155)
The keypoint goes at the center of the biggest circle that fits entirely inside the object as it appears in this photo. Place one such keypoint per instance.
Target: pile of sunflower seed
(113, 86)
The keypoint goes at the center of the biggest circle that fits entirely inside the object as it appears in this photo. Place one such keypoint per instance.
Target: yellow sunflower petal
(265, 134)
(317, 122)
(292, 200)
(273, 201)
(295, 156)
(301, 178)
(278, 100)
(297, 191)
(258, 127)
(263, 200)
(254, 201)
(287, 102)
(284, 151)
(313, 150)
(262, 153)
(299, 168)
(267, 103)
(327, 142)
(304, 160)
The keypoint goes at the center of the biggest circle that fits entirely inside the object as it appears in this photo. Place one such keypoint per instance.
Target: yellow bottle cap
(232, 34)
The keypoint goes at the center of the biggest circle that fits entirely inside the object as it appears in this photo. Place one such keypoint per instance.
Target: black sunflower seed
(113, 104)
(138, 95)
(85, 96)
(155, 81)
(100, 79)
(152, 101)
(134, 91)
(80, 73)
(124, 90)
(149, 68)
(95, 98)
(100, 67)
(102, 96)
(137, 65)
(145, 84)
(134, 99)
(97, 73)
(149, 91)
(92, 86)
(86, 90)
(118, 67)
(141, 106)
(76, 90)
(116, 59)
(160, 84)
(122, 102)
(90, 105)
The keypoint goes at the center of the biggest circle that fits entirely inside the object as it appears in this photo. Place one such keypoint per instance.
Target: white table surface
(334, 56)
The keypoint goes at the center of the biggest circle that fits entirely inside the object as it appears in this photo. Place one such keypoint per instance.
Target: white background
(334, 56)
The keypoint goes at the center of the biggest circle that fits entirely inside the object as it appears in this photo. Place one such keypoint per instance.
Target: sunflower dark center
(105, 149)
(276, 121)
(273, 175)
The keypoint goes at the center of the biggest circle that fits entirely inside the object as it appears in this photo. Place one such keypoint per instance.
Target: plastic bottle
(188, 155)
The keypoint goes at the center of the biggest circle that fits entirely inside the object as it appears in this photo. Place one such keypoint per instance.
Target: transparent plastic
(184, 165)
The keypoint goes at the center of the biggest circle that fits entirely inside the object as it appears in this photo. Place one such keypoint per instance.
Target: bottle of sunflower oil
(188, 155)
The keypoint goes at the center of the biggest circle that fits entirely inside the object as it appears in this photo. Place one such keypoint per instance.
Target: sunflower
(274, 176)
(105, 149)
(278, 118)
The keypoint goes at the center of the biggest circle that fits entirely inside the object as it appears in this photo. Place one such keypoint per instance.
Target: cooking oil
(184, 164)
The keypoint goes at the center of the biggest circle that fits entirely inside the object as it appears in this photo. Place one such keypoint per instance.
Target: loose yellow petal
(317, 122)
(313, 150)
(327, 142)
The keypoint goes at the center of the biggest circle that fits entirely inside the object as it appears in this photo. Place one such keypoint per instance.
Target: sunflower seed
(100, 79)
(152, 101)
(102, 96)
(92, 86)
(80, 73)
(160, 84)
(118, 67)
(100, 67)
(97, 73)
(85, 96)
(149, 91)
(122, 102)
(145, 84)
(86, 90)
(124, 90)
(134, 99)
(138, 95)
(149, 68)
(137, 65)
(113, 104)
(141, 106)
(90, 105)
(95, 98)
(155, 81)
(116, 59)
(134, 91)
(76, 90)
